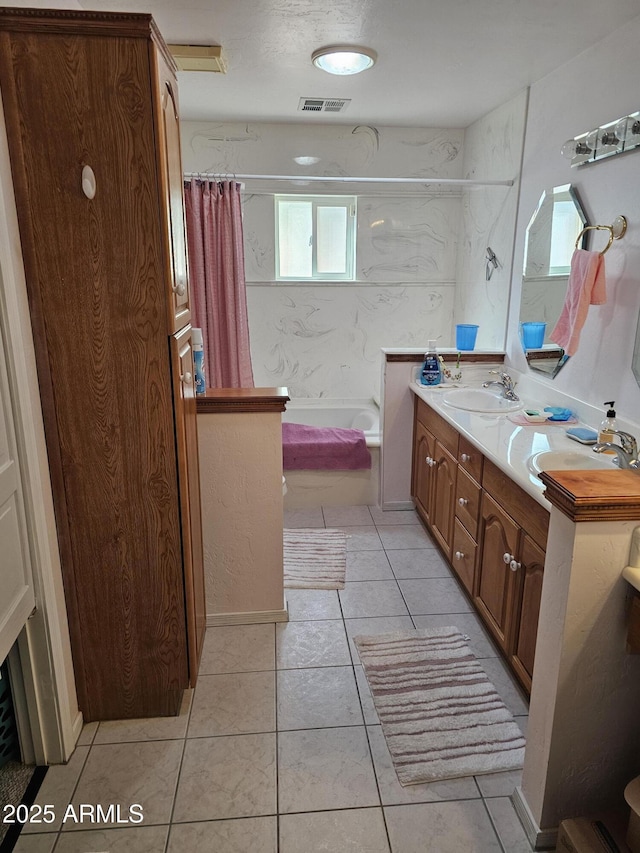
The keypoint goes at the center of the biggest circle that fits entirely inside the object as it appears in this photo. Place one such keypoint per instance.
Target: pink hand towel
(587, 286)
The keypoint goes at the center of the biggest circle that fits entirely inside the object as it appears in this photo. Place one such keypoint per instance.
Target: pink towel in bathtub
(323, 448)
(587, 286)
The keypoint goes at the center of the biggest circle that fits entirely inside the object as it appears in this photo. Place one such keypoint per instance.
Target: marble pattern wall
(325, 339)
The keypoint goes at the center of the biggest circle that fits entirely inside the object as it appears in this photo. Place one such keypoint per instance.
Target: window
(315, 238)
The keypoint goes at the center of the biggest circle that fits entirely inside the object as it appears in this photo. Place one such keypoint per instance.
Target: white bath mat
(441, 716)
(314, 558)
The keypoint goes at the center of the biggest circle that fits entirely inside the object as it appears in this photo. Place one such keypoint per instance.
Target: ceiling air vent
(199, 57)
(323, 105)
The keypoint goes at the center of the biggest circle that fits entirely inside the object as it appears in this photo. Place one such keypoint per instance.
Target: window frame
(349, 202)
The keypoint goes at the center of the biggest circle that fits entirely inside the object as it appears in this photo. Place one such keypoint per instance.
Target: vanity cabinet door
(495, 581)
(424, 449)
(529, 576)
(444, 495)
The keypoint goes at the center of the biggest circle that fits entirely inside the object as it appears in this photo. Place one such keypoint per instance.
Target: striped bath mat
(440, 714)
(314, 558)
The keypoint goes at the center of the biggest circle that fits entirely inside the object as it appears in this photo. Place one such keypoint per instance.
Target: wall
(325, 340)
(492, 152)
(577, 97)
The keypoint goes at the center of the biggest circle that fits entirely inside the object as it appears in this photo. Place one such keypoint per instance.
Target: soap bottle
(608, 425)
(198, 360)
(431, 373)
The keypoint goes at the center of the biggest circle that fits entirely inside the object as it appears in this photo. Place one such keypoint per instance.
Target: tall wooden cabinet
(92, 95)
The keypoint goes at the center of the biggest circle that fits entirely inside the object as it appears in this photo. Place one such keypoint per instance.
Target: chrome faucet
(626, 451)
(506, 383)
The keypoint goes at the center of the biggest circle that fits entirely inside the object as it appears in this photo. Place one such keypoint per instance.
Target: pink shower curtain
(216, 276)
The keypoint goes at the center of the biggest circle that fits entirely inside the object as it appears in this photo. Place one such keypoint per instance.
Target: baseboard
(77, 726)
(391, 505)
(251, 617)
(539, 839)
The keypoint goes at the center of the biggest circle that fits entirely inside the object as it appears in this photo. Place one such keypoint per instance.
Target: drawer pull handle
(462, 501)
(465, 457)
(514, 566)
(507, 558)
(459, 555)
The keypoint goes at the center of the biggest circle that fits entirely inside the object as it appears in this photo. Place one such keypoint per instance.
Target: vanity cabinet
(435, 472)
(92, 124)
(491, 531)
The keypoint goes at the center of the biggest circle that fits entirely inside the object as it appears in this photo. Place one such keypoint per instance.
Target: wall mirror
(635, 364)
(549, 244)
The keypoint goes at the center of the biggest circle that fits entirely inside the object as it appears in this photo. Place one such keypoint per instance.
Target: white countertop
(506, 444)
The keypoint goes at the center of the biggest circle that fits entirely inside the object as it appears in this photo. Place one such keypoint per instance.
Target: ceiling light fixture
(343, 58)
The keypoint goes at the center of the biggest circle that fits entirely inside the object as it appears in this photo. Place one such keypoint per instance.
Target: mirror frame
(550, 359)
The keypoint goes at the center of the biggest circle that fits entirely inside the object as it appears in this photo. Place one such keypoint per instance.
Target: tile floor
(279, 749)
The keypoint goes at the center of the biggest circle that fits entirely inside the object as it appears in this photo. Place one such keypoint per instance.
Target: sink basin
(480, 400)
(563, 460)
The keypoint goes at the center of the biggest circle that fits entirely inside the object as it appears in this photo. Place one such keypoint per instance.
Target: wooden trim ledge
(216, 401)
(467, 357)
(594, 495)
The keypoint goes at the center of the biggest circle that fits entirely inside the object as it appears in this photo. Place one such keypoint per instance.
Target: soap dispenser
(431, 373)
(608, 425)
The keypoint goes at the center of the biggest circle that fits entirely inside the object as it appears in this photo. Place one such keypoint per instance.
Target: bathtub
(335, 488)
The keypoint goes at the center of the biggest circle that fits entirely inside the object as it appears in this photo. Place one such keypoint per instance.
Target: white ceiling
(441, 63)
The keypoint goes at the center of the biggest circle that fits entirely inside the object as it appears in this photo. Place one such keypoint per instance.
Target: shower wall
(324, 339)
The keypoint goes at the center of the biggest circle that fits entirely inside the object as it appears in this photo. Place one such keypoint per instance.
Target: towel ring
(616, 231)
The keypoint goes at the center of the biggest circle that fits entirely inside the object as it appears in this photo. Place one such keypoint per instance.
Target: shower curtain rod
(462, 182)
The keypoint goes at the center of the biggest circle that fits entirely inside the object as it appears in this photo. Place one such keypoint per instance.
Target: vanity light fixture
(615, 137)
(343, 58)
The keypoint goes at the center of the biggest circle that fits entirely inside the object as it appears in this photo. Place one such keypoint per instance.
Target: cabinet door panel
(170, 161)
(189, 483)
(424, 450)
(494, 584)
(527, 608)
(444, 493)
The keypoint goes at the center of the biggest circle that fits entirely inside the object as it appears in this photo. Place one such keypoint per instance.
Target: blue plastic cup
(466, 336)
(533, 335)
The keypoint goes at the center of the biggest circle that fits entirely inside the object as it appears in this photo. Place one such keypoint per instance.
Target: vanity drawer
(470, 458)
(468, 502)
(443, 431)
(463, 556)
